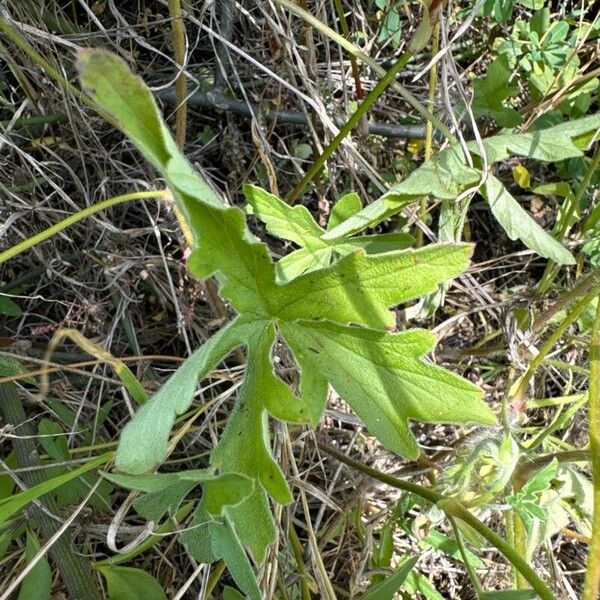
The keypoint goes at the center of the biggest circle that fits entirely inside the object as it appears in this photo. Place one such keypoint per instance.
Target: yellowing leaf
(521, 176)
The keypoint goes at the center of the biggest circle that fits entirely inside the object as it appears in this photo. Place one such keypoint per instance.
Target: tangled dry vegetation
(266, 92)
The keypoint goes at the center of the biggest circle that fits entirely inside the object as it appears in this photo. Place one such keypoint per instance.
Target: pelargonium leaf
(361, 288)
(381, 376)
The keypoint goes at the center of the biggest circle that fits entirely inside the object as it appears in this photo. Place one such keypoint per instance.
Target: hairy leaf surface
(341, 311)
(518, 224)
(297, 225)
(447, 175)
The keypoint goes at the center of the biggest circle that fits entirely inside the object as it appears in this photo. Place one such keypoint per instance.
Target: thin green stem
(433, 73)
(13, 35)
(366, 59)
(452, 508)
(362, 109)
(463, 552)
(518, 397)
(509, 524)
(346, 31)
(71, 220)
(592, 578)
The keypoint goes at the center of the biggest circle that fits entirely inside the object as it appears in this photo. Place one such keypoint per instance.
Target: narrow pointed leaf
(143, 444)
(386, 590)
(518, 224)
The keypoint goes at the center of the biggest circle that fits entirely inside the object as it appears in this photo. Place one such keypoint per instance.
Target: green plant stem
(519, 544)
(74, 568)
(354, 119)
(366, 59)
(298, 551)
(551, 270)
(452, 508)
(463, 552)
(346, 31)
(435, 45)
(518, 397)
(71, 220)
(592, 578)
(509, 524)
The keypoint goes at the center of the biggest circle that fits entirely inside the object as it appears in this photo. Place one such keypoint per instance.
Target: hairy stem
(178, 31)
(452, 508)
(592, 577)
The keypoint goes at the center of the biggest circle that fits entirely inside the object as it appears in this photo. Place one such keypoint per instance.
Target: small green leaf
(417, 583)
(343, 209)
(230, 593)
(491, 92)
(503, 10)
(386, 590)
(519, 225)
(8, 307)
(129, 583)
(448, 545)
(38, 582)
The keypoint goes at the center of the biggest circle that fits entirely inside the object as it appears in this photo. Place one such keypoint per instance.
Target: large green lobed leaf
(335, 320)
